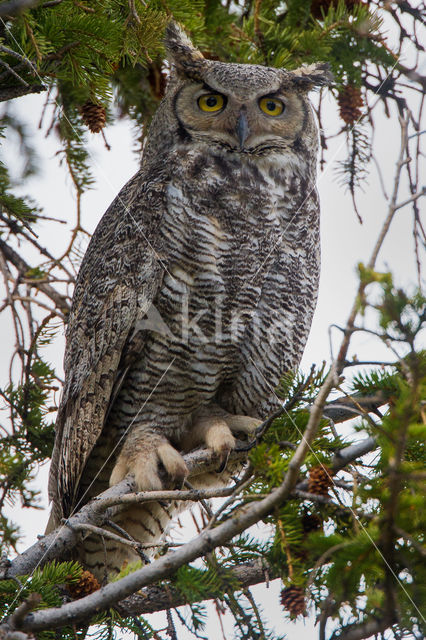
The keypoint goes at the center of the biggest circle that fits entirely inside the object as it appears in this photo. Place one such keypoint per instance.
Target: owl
(196, 292)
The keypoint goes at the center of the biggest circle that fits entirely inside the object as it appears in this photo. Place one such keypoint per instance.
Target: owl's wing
(117, 282)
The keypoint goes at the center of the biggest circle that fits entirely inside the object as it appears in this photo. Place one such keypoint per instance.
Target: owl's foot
(213, 427)
(141, 456)
(242, 424)
(213, 432)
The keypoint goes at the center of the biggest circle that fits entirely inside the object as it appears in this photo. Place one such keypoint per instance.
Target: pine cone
(350, 104)
(317, 5)
(311, 522)
(94, 116)
(293, 600)
(86, 585)
(320, 480)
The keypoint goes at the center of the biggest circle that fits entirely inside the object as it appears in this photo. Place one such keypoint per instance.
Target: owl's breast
(241, 262)
(227, 227)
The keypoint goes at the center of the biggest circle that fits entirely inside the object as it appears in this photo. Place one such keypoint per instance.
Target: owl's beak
(242, 128)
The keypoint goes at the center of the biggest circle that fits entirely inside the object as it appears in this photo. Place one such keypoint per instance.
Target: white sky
(344, 243)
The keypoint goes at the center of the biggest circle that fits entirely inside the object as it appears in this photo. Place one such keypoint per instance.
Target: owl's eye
(211, 102)
(271, 106)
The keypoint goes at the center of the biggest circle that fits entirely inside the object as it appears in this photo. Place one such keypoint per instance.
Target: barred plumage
(197, 290)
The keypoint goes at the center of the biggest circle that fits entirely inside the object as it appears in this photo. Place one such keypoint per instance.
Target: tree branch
(165, 566)
(8, 93)
(157, 598)
(347, 455)
(23, 267)
(65, 538)
(365, 630)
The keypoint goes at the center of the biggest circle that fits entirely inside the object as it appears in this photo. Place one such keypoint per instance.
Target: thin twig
(402, 160)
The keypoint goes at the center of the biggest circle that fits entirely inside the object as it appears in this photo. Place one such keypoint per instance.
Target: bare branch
(95, 513)
(348, 407)
(10, 629)
(347, 455)
(413, 198)
(57, 543)
(402, 160)
(22, 59)
(60, 301)
(8, 93)
(358, 632)
(156, 598)
(28, 605)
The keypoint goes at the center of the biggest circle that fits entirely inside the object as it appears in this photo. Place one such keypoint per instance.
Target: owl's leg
(141, 454)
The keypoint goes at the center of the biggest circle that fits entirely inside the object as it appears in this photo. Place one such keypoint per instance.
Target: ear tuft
(187, 59)
(312, 75)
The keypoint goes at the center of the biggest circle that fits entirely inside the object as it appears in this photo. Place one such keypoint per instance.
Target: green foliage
(138, 626)
(193, 583)
(31, 440)
(50, 583)
(369, 382)
(12, 206)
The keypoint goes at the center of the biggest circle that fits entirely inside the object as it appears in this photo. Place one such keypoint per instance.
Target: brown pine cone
(350, 104)
(293, 600)
(94, 116)
(320, 480)
(86, 585)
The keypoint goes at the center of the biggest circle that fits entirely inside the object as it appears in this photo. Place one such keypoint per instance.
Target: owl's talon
(173, 463)
(143, 461)
(223, 463)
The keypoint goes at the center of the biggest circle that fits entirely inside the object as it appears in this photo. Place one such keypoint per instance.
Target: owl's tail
(134, 535)
(145, 526)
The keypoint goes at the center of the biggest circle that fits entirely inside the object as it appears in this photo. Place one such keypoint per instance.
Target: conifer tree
(343, 516)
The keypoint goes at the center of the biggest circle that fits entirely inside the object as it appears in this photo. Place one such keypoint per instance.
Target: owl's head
(240, 108)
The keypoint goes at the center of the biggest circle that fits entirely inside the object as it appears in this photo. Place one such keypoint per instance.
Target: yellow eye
(271, 106)
(211, 102)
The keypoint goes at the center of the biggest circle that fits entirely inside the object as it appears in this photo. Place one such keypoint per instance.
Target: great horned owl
(197, 289)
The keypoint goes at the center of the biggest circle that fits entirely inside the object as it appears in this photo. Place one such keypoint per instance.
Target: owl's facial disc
(251, 122)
